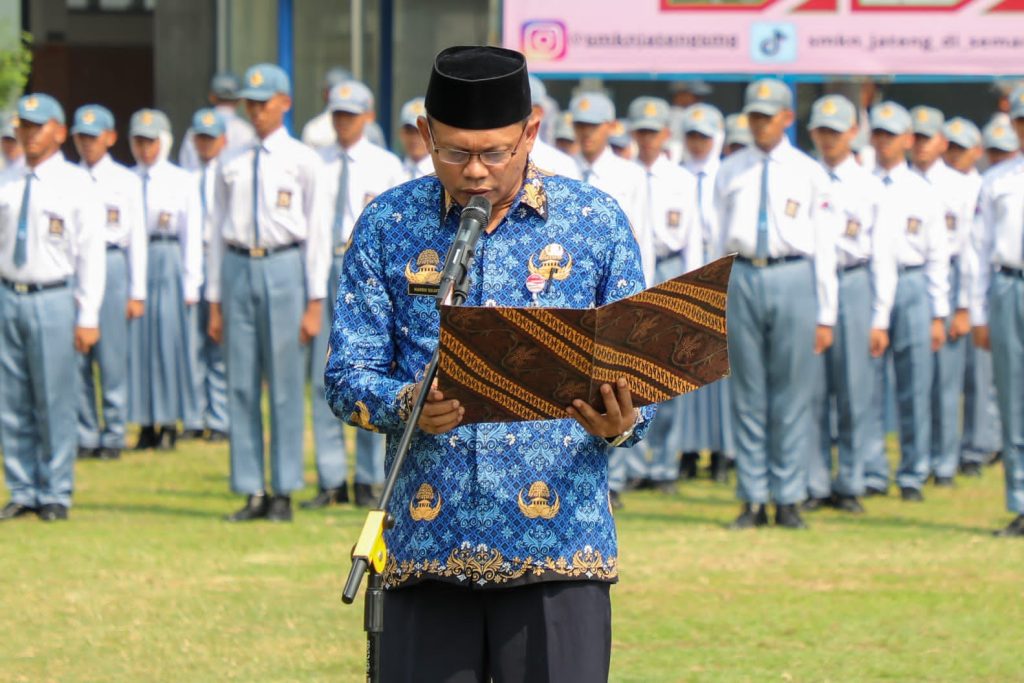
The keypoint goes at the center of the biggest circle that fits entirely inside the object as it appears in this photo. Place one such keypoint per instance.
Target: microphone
(457, 264)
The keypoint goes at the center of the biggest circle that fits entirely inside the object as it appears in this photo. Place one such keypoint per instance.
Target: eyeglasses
(461, 157)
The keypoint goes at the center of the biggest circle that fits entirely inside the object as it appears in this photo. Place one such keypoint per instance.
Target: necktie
(701, 175)
(761, 250)
(256, 196)
(21, 241)
(586, 175)
(145, 200)
(341, 201)
(833, 177)
(887, 180)
(202, 192)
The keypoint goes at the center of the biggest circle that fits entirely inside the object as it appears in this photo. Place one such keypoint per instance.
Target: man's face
(145, 150)
(890, 149)
(349, 127)
(266, 117)
(698, 146)
(996, 156)
(833, 145)
(960, 158)
(500, 183)
(732, 148)
(684, 99)
(769, 130)
(92, 148)
(209, 147)
(650, 143)
(926, 150)
(412, 143)
(592, 137)
(40, 140)
(11, 149)
(1018, 127)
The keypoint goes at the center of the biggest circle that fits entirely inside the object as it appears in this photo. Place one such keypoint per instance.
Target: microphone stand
(370, 552)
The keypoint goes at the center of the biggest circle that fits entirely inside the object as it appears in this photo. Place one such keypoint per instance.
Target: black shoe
(109, 454)
(615, 500)
(945, 482)
(750, 517)
(87, 453)
(788, 517)
(216, 436)
(52, 512)
(366, 495)
(994, 458)
(911, 495)
(147, 439)
(1015, 528)
(667, 487)
(326, 497)
(638, 484)
(14, 510)
(971, 469)
(255, 507)
(168, 437)
(191, 435)
(872, 491)
(847, 504)
(688, 465)
(280, 509)
(813, 504)
(719, 469)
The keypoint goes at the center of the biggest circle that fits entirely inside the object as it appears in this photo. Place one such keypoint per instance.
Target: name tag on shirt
(792, 207)
(113, 215)
(284, 199)
(673, 219)
(56, 226)
(913, 225)
(163, 221)
(951, 221)
(852, 227)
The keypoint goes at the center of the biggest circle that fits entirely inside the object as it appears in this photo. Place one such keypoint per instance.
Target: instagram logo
(544, 40)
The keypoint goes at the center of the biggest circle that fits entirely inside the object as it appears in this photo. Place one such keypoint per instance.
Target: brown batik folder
(518, 364)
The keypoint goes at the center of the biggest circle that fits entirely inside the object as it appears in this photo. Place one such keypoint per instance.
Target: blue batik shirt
(484, 505)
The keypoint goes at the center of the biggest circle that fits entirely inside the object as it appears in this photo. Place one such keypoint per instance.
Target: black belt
(115, 247)
(911, 269)
(1012, 272)
(32, 288)
(162, 237)
(853, 266)
(261, 252)
(771, 260)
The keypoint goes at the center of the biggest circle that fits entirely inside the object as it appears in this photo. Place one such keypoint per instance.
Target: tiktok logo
(772, 43)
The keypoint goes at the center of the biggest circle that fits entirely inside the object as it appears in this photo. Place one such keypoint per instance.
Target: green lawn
(146, 583)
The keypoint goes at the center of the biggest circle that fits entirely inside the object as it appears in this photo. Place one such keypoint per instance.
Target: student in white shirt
(124, 297)
(417, 162)
(52, 276)
(238, 133)
(546, 157)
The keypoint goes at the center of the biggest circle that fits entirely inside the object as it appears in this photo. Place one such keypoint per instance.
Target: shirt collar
(659, 167)
(101, 167)
(531, 195)
(777, 152)
(47, 167)
(845, 167)
(356, 151)
(894, 173)
(275, 140)
(601, 161)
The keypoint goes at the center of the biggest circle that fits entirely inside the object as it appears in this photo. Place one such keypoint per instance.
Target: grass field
(146, 583)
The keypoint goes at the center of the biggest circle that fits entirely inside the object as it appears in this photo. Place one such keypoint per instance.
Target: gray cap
(564, 129)
(225, 85)
(703, 119)
(411, 111)
(999, 136)
(834, 112)
(1017, 103)
(352, 97)
(960, 131)
(648, 113)
(149, 123)
(926, 121)
(620, 136)
(592, 107)
(8, 124)
(737, 130)
(538, 91)
(890, 117)
(767, 96)
(263, 81)
(698, 88)
(336, 75)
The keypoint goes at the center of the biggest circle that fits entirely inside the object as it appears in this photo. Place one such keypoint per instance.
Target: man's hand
(879, 342)
(86, 338)
(312, 321)
(438, 416)
(938, 333)
(981, 337)
(619, 413)
(135, 309)
(822, 339)
(961, 325)
(216, 326)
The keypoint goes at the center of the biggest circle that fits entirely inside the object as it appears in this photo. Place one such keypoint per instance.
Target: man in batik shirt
(500, 529)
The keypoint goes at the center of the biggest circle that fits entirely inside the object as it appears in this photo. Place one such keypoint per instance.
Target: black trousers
(553, 631)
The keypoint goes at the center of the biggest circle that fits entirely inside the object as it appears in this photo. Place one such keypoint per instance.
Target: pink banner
(840, 37)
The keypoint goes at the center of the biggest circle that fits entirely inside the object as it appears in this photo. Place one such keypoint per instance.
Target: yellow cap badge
(31, 103)
(147, 117)
(345, 91)
(89, 117)
(998, 131)
(650, 109)
(618, 128)
(256, 79)
(1020, 97)
(208, 119)
(829, 108)
(697, 115)
(922, 115)
(886, 112)
(584, 104)
(956, 127)
(764, 91)
(417, 108)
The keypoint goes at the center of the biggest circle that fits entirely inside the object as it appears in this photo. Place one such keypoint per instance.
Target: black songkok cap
(479, 88)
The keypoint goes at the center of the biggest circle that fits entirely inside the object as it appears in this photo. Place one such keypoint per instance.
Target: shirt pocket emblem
(113, 215)
(852, 227)
(950, 221)
(284, 199)
(792, 207)
(913, 225)
(673, 218)
(163, 221)
(56, 226)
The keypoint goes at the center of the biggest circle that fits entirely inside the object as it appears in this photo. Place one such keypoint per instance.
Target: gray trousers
(1006, 323)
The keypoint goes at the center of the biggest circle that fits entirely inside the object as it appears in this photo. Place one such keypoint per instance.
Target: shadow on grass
(889, 522)
(673, 518)
(155, 510)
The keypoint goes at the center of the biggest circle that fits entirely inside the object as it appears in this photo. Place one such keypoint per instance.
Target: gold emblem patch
(956, 127)
(425, 279)
(673, 219)
(284, 199)
(792, 207)
(764, 91)
(256, 79)
(913, 225)
(147, 117)
(538, 502)
(551, 263)
(113, 215)
(650, 109)
(742, 122)
(829, 107)
(697, 115)
(425, 505)
(887, 112)
(208, 119)
(345, 91)
(89, 116)
(31, 104)
(56, 226)
(922, 115)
